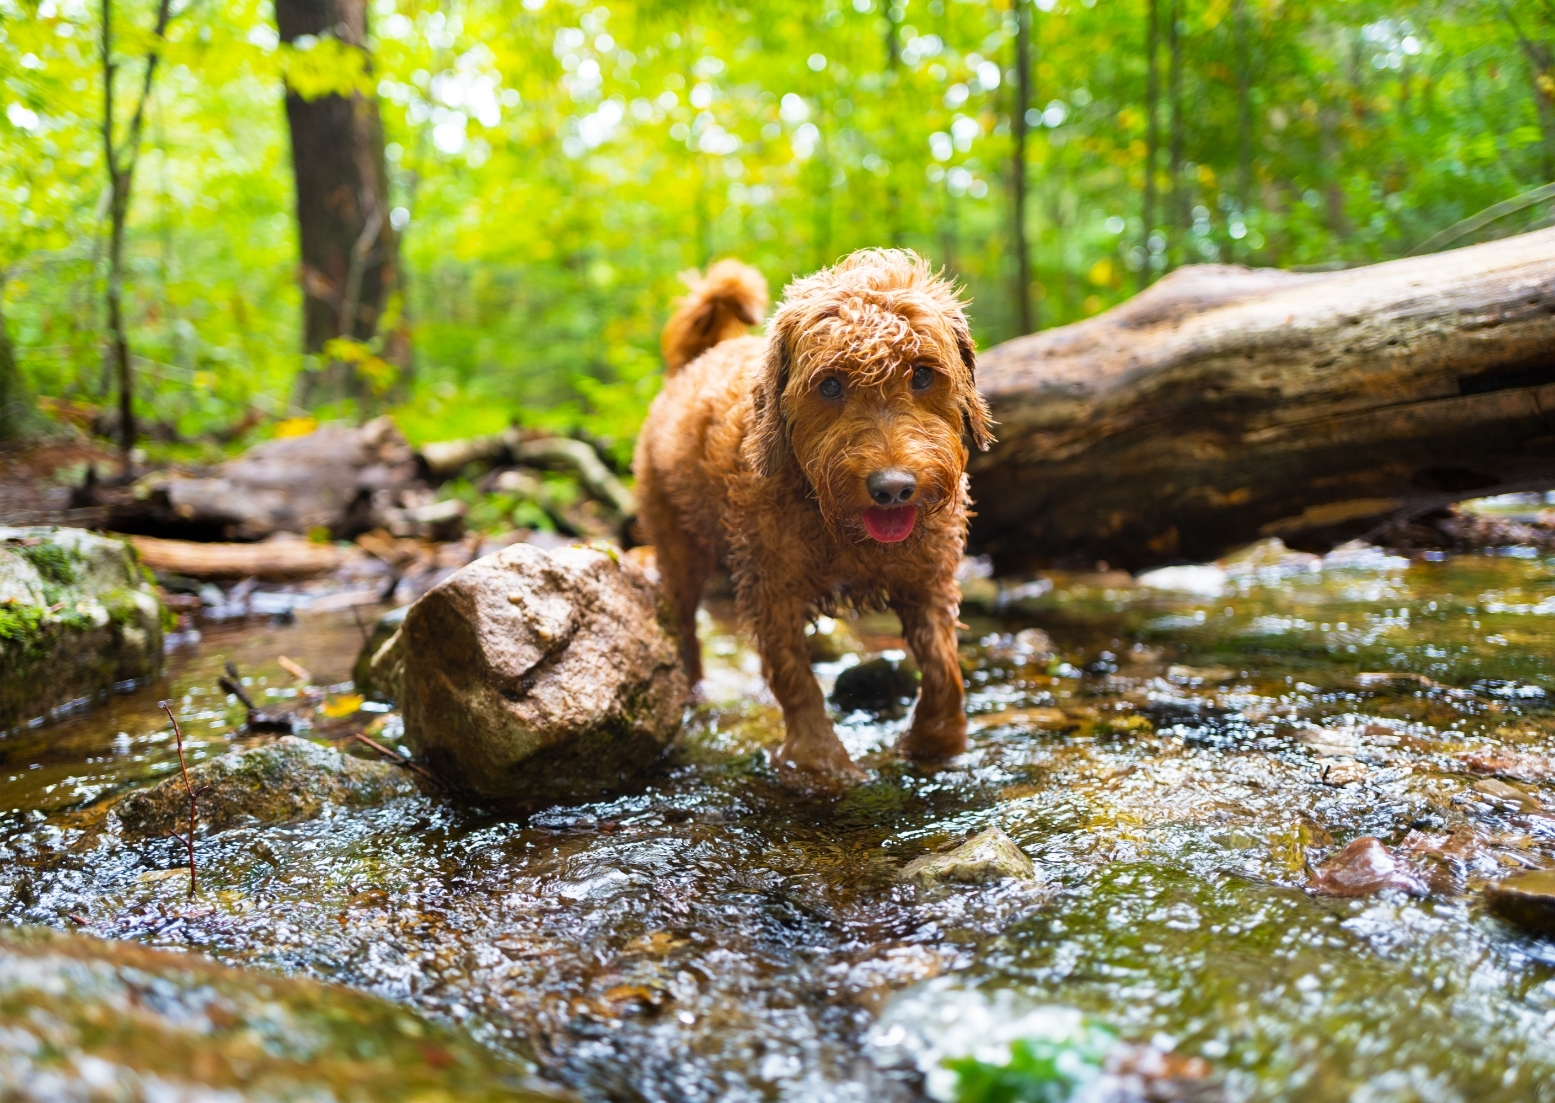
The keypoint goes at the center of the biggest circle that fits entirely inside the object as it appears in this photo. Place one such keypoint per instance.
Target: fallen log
(1227, 404)
(340, 478)
(270, 559)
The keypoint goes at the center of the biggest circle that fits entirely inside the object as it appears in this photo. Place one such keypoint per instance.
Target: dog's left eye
(922, 378)
(830, 388)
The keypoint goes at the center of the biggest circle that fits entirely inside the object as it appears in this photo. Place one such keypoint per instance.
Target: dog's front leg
(811, 755)
(939, 722)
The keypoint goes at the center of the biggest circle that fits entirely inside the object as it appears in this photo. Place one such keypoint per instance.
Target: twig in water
(356, 615)
(395, 755)
(257, 721)
(193, 808)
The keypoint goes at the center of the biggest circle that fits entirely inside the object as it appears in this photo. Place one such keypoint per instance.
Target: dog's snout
(891, 487)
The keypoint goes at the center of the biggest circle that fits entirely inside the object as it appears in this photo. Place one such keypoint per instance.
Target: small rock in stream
(290, 779)
(535, 674)
(881, 686)
(87, 1019)
(1362, 868)
(1527, 899)
(989, 855)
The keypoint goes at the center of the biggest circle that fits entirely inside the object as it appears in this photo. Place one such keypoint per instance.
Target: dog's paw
(934, 737)
(816, 770)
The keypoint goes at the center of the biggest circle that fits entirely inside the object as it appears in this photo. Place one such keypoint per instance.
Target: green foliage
(1038, 1071)
(557, 162)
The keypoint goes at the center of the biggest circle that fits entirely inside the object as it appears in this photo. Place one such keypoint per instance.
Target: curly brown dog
(824, 466)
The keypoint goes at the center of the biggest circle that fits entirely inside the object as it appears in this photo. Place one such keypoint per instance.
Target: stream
(1175, 758)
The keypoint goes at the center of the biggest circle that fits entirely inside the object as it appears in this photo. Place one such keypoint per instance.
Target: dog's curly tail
(725, 303)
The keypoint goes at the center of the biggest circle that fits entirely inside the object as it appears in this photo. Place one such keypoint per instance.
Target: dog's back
(725, 303)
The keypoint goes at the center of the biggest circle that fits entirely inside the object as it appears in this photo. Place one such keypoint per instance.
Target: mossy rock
(78, 617)
(83, 1018)
(290, 779)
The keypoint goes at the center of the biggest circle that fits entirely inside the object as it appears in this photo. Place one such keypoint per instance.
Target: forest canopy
(552, 165)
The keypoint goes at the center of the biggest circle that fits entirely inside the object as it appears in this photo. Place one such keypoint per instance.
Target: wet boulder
(881, 686)
(78, 616)
(1527, 899)
(989, 855)
(537, 675)
(84, 1018)
(1362, 868)
(290, 779)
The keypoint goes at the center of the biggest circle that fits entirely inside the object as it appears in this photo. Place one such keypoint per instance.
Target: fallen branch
(596, 478)
(193, 809)
(257, 722)
(271, 559)
(444, 459)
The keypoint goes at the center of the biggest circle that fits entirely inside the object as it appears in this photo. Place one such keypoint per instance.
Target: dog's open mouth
(890, 525)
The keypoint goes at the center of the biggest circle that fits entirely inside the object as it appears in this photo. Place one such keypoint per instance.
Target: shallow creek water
(1175, 767)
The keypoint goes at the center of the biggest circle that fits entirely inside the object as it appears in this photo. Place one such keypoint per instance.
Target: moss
(20, 623)
(54, 563)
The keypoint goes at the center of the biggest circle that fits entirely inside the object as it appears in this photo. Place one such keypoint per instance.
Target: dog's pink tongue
(890, 525)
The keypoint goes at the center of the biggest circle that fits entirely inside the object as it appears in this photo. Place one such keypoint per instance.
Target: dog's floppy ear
(974, 410)
(766, 449)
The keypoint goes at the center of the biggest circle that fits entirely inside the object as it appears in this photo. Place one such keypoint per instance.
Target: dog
(823, 466)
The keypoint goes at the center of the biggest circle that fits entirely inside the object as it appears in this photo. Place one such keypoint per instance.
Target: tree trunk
(1152, 139)
(18, 416)
(350, 252)
(1023, 315)
(1228, 404)
(1177, 216)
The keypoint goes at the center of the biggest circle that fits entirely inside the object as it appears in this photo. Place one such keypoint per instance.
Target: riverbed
(1176, 758)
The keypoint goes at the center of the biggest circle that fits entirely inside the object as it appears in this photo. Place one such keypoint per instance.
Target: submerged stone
(1362, 868)
(881, 686)
(82, 1018)
(535, 674)
(989, 855)
(1527, 899)
(290, 779)
(78, 616)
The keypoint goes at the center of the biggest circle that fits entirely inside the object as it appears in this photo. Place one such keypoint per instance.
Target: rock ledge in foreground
(535, 675)
(85, 1019)
(290, 779)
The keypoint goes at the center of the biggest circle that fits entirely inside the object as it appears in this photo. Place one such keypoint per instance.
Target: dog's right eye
(830, 388)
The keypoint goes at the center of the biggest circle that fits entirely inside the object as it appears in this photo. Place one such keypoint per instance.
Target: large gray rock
(290, 779)
(78, 616)
(537, 674)
(84, 1019)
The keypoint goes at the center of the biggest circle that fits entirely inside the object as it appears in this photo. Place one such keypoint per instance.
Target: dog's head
(869, 388)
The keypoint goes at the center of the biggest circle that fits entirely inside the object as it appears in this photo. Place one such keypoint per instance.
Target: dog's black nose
(891, 487)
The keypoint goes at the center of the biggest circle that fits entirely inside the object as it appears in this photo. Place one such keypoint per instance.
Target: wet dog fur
(767, 456)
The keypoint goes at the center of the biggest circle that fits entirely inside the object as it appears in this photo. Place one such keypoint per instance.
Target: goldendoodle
(824, 465)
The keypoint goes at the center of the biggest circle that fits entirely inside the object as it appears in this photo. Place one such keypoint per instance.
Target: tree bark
(120, 161)
(18, 416)
(1023, 312)
(1228, 404)
(1152, 139)
(350, 252)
